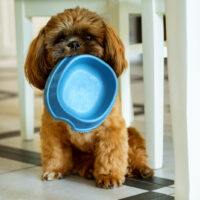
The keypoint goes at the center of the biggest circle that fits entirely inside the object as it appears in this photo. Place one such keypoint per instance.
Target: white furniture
(183, 42)
(7, 33)
(153, 67)
(183, 33)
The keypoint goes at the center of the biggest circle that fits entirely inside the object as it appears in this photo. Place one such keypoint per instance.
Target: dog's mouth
(75, 53)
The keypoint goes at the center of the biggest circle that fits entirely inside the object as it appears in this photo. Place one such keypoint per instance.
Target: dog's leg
(56, 150)
(137, 157)
(111, 151)
(83, 164)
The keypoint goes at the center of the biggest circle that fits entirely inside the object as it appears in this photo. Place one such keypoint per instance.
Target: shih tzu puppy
(109, 152)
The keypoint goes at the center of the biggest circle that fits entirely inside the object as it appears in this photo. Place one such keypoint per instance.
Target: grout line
(15, 170)
(148, 195)
(8, 92)
(136, 113)
(21, 155)
(138, 105)
(15, 133)
(10, 78)
(151, 181)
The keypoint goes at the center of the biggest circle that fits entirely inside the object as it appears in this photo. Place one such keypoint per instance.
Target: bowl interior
(86, 88)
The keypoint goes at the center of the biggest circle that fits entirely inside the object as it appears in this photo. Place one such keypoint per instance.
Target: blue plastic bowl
(81, 90)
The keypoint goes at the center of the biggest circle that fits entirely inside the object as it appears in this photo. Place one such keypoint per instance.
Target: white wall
(7, 32)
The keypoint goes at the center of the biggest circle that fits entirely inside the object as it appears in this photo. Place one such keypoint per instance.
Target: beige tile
(165, 172)
(26, 184)
(165, 190)
(7, 165)
(9, 85)
(9, 113)
(8, 63)
(17, 142)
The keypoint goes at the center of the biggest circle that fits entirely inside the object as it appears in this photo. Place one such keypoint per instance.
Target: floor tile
(142, 184)
(165, 172)
(7, 165)
(20, 184)
(17, 142)
(8, 63)
(15, 133)
(149, 196)
(165, 198)
(21, 155)
(9, 114)
(165, 190)
(159, 181)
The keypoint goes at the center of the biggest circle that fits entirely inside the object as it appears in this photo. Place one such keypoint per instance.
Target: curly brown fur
(109, 152)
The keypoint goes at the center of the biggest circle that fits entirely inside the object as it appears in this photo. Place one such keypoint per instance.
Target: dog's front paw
(50, 176)
(109, 181)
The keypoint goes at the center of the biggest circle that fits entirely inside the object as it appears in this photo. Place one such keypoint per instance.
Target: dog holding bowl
(83, 131)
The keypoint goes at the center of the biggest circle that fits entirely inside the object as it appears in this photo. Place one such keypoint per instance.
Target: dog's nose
(74, 45)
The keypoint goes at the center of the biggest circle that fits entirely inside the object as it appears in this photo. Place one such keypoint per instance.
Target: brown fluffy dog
(109, 152)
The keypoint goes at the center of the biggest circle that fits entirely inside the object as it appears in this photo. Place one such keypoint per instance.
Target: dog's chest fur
(83, 141)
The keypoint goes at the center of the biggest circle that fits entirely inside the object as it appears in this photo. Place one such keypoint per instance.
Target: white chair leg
(153, 66)
(23, 38)
(119, 20)
(183, 33)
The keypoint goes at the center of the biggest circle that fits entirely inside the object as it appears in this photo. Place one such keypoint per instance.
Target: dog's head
(75, 31)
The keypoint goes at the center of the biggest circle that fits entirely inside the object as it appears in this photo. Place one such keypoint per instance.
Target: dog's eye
(89, 37)
(60, 39)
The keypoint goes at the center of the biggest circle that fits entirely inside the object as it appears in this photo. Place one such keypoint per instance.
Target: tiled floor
(20, 168)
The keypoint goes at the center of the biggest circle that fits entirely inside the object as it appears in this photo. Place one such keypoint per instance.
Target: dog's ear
(114, 53)
(36, 66)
